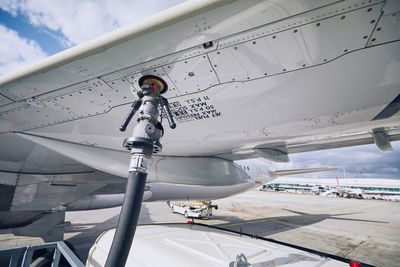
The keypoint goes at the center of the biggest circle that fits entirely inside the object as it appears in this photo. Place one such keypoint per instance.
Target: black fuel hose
(128, 219)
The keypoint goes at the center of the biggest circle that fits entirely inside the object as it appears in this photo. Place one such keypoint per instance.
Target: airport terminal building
(367, 186)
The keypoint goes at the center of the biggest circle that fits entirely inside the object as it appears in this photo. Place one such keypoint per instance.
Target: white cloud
(16, 51)
(10, 6)
(363, 161)
(81, 20)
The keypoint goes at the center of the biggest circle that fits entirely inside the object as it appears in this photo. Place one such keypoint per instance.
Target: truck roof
(198, 245)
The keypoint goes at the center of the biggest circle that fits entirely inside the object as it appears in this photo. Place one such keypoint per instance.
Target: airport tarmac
(364, 230)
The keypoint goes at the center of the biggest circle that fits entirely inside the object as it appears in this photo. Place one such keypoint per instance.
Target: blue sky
(33, 30)
(20, 24)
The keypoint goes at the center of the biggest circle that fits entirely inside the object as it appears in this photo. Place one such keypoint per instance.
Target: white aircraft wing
(246, 78)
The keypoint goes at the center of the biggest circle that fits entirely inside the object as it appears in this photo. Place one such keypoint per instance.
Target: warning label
(192, 109)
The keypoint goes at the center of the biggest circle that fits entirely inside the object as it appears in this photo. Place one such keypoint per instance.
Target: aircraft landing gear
(145, 141)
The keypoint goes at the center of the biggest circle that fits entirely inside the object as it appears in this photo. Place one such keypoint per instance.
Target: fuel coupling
(148, 130)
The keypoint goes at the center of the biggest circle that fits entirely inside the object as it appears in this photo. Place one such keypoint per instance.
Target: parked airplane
(246, 79)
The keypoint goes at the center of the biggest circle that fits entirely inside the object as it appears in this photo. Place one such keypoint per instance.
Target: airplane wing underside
(246, 79)
(262, 78)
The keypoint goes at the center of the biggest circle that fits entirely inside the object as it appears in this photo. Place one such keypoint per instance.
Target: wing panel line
(204, 90)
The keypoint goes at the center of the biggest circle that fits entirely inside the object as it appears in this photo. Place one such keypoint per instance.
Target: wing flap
(339, 141)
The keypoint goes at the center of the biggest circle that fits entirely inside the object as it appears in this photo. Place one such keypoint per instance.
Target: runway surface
(364, 230)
